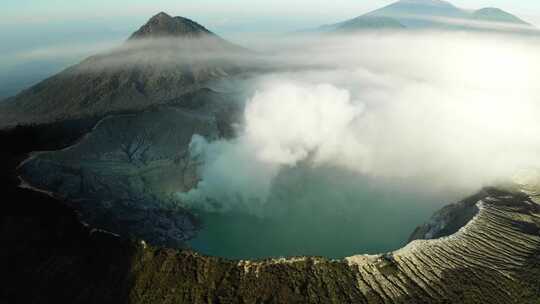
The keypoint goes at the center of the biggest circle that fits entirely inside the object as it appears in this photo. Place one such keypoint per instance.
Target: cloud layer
(447, 110)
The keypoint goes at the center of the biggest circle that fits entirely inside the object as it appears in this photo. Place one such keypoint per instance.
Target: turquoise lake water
(321, 213)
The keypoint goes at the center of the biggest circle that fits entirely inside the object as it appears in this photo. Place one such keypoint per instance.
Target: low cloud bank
(445, 110)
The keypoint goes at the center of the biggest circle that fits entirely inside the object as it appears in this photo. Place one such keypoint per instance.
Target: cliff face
(495, 258)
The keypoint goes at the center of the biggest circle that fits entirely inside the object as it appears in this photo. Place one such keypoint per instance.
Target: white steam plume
(450, 110)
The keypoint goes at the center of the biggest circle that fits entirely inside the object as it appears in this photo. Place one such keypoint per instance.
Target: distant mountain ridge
(496, 15)
(422, 14)
(419, 13)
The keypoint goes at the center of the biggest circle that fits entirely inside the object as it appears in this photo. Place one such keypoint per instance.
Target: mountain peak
(437, 3)
(161, 16)
(420, 13)
(163, 25)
